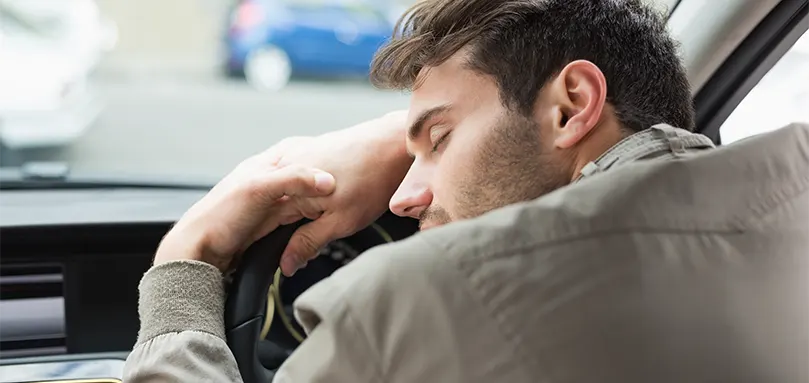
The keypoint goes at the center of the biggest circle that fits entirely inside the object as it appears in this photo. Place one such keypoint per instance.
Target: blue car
(270, 41)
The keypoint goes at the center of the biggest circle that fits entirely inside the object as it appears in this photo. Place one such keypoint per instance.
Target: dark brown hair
(524, 43)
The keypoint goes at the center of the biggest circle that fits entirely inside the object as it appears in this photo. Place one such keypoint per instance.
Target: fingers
(286, 211)
(295, 181)
(273, 222)
(305, 243)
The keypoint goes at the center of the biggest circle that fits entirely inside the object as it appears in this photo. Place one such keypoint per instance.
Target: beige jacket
(674, 265)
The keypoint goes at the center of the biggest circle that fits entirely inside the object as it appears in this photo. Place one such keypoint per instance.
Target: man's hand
(368, 161)
(279, 187)
(245, 206)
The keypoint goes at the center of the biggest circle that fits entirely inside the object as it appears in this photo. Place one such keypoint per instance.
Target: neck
(602, 137)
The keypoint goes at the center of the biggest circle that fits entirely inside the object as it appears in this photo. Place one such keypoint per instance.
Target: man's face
(472, 154)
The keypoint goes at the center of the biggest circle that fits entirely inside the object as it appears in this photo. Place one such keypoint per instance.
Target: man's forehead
(453, 83)
(455, 65)
(449, 83)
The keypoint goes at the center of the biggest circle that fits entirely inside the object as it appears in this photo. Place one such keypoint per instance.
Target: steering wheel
(245, 307)
(247, 296)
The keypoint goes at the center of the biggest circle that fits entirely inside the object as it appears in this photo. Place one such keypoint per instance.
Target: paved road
(168, 114)
(205, 127)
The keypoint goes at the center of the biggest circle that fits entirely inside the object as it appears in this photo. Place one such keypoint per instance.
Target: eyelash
(439, 141)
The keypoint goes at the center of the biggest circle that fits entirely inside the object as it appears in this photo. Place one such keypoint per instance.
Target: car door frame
(747, 65)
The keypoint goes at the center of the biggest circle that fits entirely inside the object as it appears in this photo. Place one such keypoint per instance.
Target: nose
(411, 198)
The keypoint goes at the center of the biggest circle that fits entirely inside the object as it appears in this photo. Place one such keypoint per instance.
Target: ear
(580, 91)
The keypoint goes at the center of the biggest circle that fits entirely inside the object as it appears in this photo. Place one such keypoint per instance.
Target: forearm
(395, 159)
(182, 334)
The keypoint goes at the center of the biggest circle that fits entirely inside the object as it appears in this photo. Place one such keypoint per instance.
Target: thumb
(305, 243)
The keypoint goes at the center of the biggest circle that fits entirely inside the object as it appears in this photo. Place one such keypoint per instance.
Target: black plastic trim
(673, 9)
(99, 261)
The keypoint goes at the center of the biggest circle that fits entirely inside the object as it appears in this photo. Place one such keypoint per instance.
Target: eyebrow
(425, 116)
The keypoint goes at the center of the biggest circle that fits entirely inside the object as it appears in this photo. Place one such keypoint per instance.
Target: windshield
(184, 87)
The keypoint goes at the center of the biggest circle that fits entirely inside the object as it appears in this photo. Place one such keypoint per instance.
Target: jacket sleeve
(182, 333)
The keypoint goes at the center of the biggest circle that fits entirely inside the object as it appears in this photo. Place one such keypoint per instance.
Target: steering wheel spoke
(245, 306)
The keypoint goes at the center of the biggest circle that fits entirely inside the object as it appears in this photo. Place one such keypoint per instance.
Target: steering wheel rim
(245, 305)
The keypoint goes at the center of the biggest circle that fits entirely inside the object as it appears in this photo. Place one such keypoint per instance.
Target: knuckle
(307, 208)
(292, 170)
(297, 176)
(256, 189)
(288, 181)
(312, 213)
(307, 243)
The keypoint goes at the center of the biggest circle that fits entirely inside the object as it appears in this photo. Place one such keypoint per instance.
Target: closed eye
(440, 141)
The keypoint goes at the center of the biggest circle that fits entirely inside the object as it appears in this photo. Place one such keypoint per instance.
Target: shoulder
(414, 286)
(389, 272)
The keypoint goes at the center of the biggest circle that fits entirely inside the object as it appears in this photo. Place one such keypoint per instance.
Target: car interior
(74, 247)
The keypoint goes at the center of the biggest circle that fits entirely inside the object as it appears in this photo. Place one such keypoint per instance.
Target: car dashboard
(70, 267)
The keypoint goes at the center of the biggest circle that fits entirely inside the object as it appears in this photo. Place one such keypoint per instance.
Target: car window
(156, 88)
(780, 98)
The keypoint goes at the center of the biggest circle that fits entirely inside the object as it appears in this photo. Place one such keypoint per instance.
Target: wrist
(394, 157)
(183, 244)
(394, 136)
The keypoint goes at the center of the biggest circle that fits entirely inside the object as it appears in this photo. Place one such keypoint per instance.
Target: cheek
(453, 172)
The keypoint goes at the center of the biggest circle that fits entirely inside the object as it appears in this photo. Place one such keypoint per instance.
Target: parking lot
(168, 109)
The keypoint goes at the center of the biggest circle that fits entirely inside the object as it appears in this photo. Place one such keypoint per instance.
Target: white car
(48, 50)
